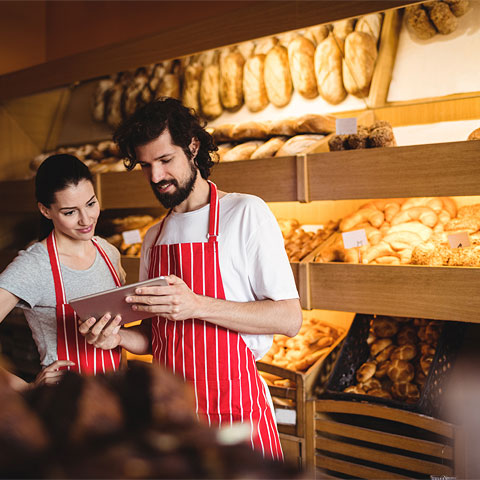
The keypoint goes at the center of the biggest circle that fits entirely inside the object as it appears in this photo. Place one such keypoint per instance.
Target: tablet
(113, 302)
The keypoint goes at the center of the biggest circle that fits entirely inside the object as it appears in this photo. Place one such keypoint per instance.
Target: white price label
(459, 240)
(345, 126)
(132, 236)
(354, 239)
(286, 416)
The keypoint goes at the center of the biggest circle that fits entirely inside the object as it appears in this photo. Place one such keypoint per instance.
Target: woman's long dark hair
(56, 173)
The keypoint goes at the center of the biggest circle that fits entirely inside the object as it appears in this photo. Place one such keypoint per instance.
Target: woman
(68, 261)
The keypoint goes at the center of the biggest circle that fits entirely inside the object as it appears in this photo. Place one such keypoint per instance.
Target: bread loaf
(458, 7)
(371, 24)
(209, 92)
(475, 135)
(419, 22)
(301, 53)
(442, 17)
(317, 34)
(278, 81)
(366, 371)
(254, 89)
(328, 70)
(359, 62)
(343, 28)
(169, 86)
(248, 130)
(299, 144)
(242, 151)
(315, 123)
(100, 99)
(269, 148)
(231, 79)
(223, 133)
(285, 127)
(400, 371)
(191, 86)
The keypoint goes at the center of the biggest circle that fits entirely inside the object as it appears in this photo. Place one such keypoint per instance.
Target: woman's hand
(101, 333)
(52, 374)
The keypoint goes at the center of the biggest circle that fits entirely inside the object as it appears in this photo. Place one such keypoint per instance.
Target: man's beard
(181, 193)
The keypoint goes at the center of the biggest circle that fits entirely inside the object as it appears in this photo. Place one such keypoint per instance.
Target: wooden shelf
(441, 293)
(441, 169)
(252, 19)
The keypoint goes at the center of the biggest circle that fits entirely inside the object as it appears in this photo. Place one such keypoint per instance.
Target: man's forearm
(260, 317)
(137, 339)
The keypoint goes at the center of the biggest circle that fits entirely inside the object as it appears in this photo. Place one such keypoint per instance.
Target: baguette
(254, 90)
(231, 79)
(301, 53)
(241, 152)
(278, 81)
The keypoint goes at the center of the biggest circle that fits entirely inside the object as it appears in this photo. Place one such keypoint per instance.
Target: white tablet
(113, 302)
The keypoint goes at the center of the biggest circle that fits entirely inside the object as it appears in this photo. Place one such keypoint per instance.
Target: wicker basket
(356, 351)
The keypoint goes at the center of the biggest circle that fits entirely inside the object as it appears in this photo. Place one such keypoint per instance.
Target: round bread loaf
(366, 371)
(400, 371)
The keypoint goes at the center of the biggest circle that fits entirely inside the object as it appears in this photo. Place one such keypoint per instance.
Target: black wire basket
(356, 351)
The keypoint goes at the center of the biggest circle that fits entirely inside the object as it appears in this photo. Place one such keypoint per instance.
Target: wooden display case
(372, 441)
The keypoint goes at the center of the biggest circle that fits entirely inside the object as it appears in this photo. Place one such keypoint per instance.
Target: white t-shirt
(253, 261)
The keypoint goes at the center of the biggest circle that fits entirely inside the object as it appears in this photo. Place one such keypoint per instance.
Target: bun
(299, 144)
(355, 389)
(378, 392)
(382, 369)
(406, 391)
(404, 352)
(400, 371)
(380, 345)
(366, 371)
(418, 21)
(442, 17)
(458, 7)
(384, 327)
(385, 354)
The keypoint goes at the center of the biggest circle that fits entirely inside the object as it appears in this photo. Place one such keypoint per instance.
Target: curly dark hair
(148, 123)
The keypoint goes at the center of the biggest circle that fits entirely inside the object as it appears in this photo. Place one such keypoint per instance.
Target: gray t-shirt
(30, 278)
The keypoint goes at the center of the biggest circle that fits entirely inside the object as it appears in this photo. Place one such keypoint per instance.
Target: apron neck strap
(55, 264)
(213, 218)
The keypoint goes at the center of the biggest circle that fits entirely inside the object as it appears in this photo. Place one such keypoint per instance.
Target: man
(230, 283)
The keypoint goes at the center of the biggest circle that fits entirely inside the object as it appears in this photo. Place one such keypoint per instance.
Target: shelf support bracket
(303, 190)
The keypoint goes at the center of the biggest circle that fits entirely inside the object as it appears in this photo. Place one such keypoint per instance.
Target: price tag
(345, 126)
(354, 239)
(459, 240)
(132, 236)
(286, 416)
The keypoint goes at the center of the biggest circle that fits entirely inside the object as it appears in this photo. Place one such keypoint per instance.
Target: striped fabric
(215, 360)
(71, 345)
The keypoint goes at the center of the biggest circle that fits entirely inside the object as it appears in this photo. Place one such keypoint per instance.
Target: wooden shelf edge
(440, 293)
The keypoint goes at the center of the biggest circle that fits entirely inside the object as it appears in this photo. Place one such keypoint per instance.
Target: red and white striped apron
(215, 360)
(71, 345)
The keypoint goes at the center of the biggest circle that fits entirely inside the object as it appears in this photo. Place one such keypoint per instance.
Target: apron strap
(212, 234)
(55, 264)
(109, 263)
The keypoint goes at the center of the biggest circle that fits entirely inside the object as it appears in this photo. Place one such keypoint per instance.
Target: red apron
(215, 360)
(71, 345)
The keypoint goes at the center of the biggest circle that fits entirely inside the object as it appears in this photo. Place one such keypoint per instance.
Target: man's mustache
(163, 183)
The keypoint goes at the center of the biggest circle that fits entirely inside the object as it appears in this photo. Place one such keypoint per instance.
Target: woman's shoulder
(109, 248)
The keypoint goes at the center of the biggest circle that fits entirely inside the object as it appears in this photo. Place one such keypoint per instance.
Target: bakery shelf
(441, 293)
(441, 169)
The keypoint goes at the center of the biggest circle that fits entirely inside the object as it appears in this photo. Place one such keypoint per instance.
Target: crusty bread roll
(371, 384)
(371, 24)
(407, 335)
(400, 371)
(100, 98)
(384, 327)
(191, 86)
(209, 92)
(248, 130)
(355, 389)
(254, 89)
(285, 127)
(299, 144)
(169, 86)
(359, 62)
(343, 28)
(380, 345)
(231, 80)
(301, 53)
(328, 70)
(442, 17)
(384, 355)
(406, 391)
(317, 34)
(278, 81)
(241, 152)
(379, 392)
(404, 352)
(315, 123)
(223, 133)
(475, 135)
(382, 369)
(419, 22)
(269, 148)
(366, 371)
(458, 7)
